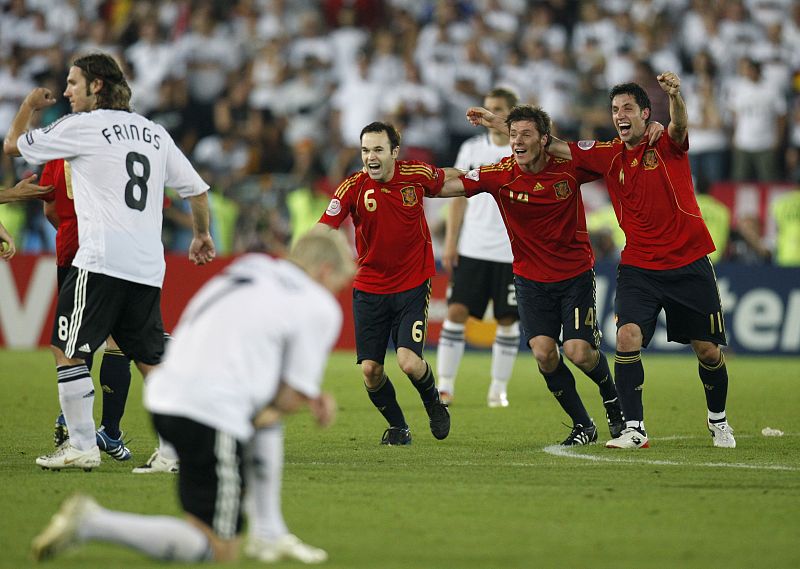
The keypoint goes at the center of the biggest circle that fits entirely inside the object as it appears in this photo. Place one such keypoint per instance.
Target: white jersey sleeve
(483, 233)
(56, 140)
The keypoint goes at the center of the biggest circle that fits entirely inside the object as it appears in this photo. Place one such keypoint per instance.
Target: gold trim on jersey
(346, 185)
(68, 179)
(411, 169)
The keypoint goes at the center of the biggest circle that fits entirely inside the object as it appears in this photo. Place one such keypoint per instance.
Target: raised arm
(678, 117)
(201, 250)
(36, 100)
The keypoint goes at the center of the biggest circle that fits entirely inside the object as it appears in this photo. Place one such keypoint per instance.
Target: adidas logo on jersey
(85, 348)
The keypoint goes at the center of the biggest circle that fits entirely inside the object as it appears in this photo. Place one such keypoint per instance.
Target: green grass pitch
(490, 496)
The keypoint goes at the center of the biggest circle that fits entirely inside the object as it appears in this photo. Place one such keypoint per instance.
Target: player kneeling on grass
(271, 324)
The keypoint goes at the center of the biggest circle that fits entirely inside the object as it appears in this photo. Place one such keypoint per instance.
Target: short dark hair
(115, 93)
(391, 132)
(536, 115)
(510, 97)
(633, 89)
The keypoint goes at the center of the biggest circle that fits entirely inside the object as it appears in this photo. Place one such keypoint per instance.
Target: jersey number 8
(136, 180)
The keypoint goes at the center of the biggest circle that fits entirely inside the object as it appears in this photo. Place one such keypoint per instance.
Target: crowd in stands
(268, 97)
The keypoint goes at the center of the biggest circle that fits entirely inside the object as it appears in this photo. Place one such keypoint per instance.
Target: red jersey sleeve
(593, 156)
(341, 203)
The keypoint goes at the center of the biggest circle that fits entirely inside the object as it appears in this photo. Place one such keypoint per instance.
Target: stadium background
(267, 98)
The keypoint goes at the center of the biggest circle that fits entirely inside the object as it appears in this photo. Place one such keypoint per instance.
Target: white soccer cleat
(446, 397)
(157, 463)
(497, 399)
(288, 546)
(447, 389)
(722, 434)
(67, 456)
(62, 531)
(629, 438)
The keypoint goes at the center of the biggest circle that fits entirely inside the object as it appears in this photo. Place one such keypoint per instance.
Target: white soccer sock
(264, 472)
(716, 416)
(504, 354)
(160, 537)
(166, 450)
(77, 400)
(449, 354)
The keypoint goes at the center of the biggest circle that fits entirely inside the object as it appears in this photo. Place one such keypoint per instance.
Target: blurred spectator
(708, 151)
(718, 221)
(747, 243)
(759, 120)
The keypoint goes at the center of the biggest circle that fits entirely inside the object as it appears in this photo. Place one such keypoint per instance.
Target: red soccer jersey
(392, 236)
(653, 196)
(57, 173)
(544, 216)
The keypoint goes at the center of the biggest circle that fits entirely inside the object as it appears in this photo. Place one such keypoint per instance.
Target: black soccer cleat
(439, 419)
(581, 435)
(394, 436)
(616, 421)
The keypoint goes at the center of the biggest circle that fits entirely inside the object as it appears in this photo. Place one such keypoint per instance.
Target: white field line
(570, 452)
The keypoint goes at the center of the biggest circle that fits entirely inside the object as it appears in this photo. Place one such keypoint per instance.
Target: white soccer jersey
(261, 322)
(483, 233)
(120, 164)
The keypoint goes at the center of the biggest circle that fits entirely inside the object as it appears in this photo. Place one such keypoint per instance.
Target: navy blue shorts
(476, 281)
(564, 307)
(688, 295)
(401, 316)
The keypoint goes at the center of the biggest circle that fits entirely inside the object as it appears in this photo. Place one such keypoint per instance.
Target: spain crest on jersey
(650, 160)
(409, 196)
(562, 189)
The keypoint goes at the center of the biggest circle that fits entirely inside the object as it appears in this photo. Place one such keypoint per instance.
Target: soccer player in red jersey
(542, 209)
(665, 261)
(391, 290)
(115, 371)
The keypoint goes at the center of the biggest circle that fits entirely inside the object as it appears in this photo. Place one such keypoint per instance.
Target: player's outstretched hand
(670, 83)
(202, 249)
(7, 247)
(40, 98)
(27, 189)
(653, 132)
(478, 116)
(323, 408)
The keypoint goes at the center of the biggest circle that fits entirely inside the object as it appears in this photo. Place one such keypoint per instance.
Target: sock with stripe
(449, 354)
(504, 354)
(601, 375)
(561, 384)
(384, 398)
(115, 381)
(76, 395)
(715, 381)
(159, 537)
(426, 386)
(629, 372)
(264, 473)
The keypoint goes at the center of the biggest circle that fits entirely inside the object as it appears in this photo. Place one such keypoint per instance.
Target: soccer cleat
(439, 419)
(60, 432)
(497, 399)
(62, 531)
(396, 436)
(446, 398)
(581, 435)
(616, 421)
(287, 546)
(115, 448)
(722, 434)
(630, 437)
(157, 463)
(67, 456)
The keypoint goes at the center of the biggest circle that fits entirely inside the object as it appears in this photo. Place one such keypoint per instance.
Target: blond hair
(322, 246)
